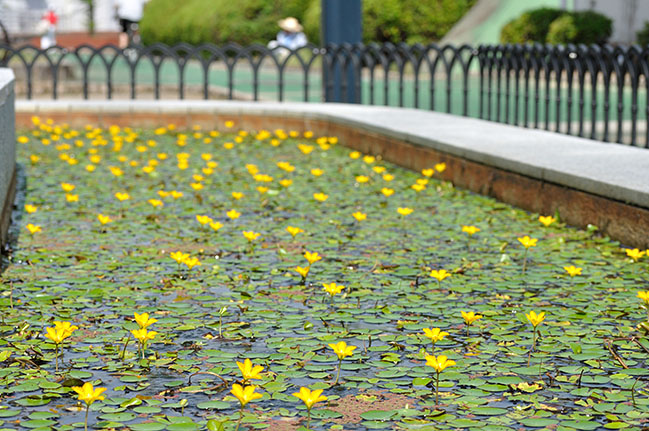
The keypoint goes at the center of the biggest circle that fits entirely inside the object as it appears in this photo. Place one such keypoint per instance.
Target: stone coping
(614, 172)
(7, 151)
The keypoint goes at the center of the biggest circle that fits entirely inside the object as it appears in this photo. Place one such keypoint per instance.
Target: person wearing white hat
(290, 36)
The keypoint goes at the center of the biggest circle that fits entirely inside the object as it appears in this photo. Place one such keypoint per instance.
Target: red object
(51, 17)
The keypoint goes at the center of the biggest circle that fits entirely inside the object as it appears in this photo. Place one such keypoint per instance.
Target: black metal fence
(598, 92)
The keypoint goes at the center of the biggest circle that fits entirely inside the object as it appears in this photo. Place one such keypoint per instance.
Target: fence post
(341, 24)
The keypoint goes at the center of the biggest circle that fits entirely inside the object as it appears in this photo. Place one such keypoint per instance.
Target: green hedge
(642, 37)
(216, 21)
(250, 21)
(558, 26)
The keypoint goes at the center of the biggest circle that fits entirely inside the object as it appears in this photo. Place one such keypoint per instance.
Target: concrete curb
(537, 170)
(7, 152)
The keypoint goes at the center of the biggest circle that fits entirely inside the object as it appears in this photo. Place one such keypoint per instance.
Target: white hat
(290, 24)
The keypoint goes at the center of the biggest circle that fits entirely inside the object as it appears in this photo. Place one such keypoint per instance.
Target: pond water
(587, 369)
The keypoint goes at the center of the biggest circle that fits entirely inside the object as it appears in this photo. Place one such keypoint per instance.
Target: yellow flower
(303, 271)
(30, 208)
(387, 192)
(320, 197)
(122, 196)
(306, 149)
(294, 230)
(285, 166)
(178, 256)
(67, 187)
(471, 230)
(435, 334)
(60, 331)
(69, 197)
(262, 189)
(148, 169)
(191, 262)
(378, 169)
(316, 172)
(470, 317)
(359, 216)
(163, 194)
(354, 155)
(229, 124)
(196, 186)
(369, 159)
(527, 241)
(143, 335)
(263, 178)
(233, 214)
(333, 288)
(427, 172)
(310, 397)
(248, 371)
(644, 295)
(404, 211)
(88, 394)
(418, 187)
(342, 350)
(216, 225)
(156, 203)
(104, 219)
(237, 195)
(176, 194)
(388, 177)
(440, 167)
(250, 235)
(244, 394)
(547, 220)
(440, 275)
(34, 158)
(535, 319)
(143, 320)
(312, 257)
(203, 219)
(32, 228)
(634, 254)
(22, 139)
(361, 179)
(572, 270)
(439, 363)
(115, 171)
(285, 182)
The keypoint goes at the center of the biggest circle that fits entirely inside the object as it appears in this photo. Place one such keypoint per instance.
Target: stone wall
(7, 151)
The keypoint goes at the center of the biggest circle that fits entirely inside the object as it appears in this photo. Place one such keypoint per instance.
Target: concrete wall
(628, 16)
(7, 150)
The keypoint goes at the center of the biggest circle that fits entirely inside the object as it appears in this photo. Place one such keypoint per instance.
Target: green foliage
(643, 35)
(216, 21)
(562, 30)
(250, 21)
(557, 26)
(532, 26)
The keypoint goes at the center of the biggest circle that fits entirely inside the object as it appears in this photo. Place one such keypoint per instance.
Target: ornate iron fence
(598, 92)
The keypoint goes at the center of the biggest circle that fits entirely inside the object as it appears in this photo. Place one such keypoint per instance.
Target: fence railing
(598, 92)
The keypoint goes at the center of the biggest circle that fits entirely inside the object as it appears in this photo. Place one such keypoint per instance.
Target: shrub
(562, 30)
(558, 26)
(216, 21)
(642, 37)
(531, 26)
(249, 21)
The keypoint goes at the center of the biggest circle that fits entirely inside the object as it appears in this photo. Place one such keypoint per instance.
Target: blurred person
(129, 13)
(290, 37)
(47, 29)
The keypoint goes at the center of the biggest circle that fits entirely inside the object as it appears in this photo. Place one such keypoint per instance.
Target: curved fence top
(598, 92)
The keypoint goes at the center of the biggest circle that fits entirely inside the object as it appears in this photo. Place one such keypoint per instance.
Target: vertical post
(341, 24)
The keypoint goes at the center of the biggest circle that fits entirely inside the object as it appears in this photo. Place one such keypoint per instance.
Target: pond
(116, 221)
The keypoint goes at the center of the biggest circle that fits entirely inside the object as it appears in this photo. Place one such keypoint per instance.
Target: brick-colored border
(623, 222)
